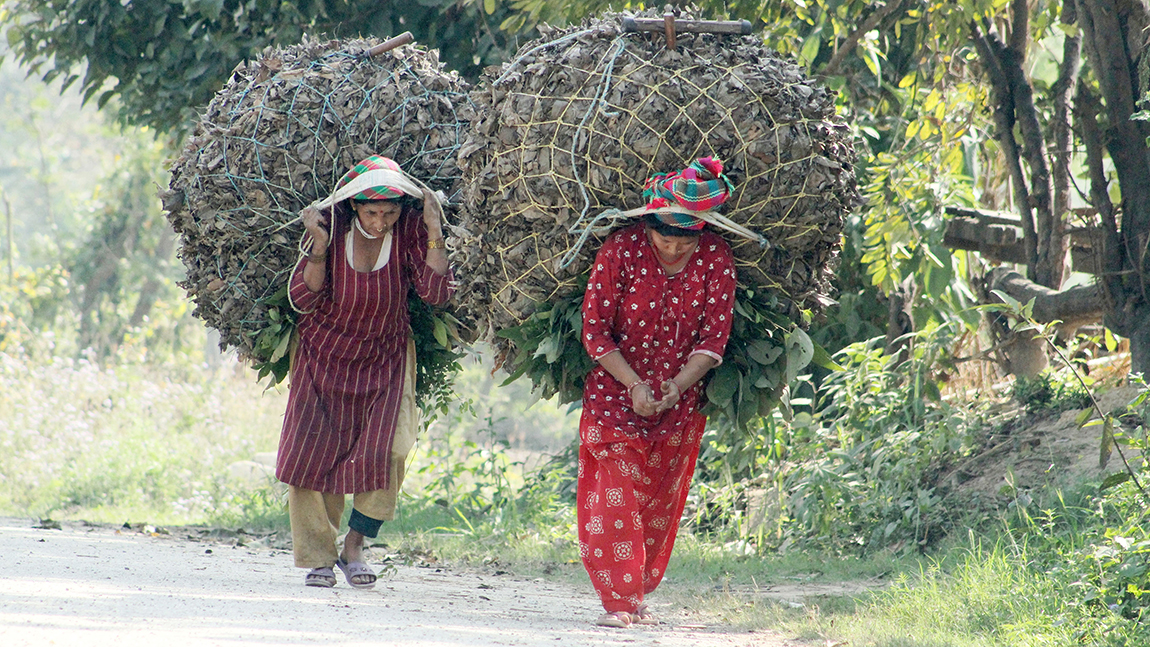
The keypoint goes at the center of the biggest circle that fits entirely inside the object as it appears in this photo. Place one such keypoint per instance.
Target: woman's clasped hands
(643, 398)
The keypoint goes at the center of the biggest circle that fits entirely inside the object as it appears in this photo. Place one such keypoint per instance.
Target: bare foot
(352, 547)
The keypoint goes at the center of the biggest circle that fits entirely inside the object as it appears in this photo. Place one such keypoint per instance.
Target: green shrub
(852, 468)
(1050, 391)
(136, 441)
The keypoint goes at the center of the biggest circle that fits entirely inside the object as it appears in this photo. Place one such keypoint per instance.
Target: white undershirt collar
(384, 249)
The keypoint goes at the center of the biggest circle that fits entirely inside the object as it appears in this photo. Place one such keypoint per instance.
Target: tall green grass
(993, 596)
(131, 442)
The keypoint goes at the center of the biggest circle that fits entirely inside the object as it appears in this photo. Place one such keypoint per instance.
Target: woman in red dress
(351, 417)
(656, 318)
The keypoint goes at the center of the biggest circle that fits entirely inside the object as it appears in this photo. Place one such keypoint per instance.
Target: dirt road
(98, 586)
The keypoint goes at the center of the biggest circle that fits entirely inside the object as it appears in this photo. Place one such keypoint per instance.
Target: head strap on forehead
(686, 199)
(374, 178)
(680, 220)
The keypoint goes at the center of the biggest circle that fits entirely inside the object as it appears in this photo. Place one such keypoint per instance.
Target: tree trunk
(1056, 260)
(1139, 337)
(1113, 34)
(900, 321)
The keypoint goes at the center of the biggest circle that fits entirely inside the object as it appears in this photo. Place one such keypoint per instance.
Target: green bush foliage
(854, 468)
(1050, 391)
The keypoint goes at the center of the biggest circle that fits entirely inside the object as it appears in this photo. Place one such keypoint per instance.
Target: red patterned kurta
(634, 472)
(347, 376)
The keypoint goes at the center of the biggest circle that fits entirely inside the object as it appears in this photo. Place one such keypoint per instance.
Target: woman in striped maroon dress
(351, 416)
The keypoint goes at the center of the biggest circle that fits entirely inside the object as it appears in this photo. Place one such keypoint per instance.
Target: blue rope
(598, 102)
(557, 41)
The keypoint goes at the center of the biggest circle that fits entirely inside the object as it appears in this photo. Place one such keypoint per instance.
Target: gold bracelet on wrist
(436, 243)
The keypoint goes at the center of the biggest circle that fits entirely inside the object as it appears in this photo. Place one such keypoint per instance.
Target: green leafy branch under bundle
(271, 352)
(765, 353)
(438, 348)
(547, 347)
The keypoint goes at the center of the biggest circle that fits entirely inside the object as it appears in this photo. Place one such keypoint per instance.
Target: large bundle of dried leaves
(279, 135)
(580, 118)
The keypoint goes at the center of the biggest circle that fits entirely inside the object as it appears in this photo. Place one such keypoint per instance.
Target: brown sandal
(323, 577)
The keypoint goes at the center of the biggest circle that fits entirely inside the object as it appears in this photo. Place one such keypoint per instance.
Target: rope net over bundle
(568, 132)
(277, 137)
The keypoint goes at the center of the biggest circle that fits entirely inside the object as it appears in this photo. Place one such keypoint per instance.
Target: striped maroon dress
(348, 371)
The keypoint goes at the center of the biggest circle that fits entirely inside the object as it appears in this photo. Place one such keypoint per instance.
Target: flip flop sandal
(643, 616)
(619, 620)
(352, 570)
(321, 577)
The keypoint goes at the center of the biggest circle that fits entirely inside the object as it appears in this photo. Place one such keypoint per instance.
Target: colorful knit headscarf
(699, 187)
(378, 191)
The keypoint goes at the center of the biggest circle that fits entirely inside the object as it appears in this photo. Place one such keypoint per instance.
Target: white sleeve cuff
(718, 358)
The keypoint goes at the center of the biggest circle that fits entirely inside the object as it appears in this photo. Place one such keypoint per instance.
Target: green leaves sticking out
(271, 354)
(438, 349)
(1115, 479)
(546, 348)
(800, 351)
(766, 351)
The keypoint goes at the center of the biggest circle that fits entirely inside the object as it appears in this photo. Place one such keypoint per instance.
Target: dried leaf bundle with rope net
(277, 137)
(565, 137)
(574, 125)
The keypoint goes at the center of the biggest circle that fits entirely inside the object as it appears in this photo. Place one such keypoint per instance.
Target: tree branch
(1033, 146)
(991, 52)
(872, 21)
(1019, 26)
(1063, 93)
(1074, 307)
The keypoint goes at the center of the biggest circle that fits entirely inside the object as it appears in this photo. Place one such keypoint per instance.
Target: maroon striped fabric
(348, 373)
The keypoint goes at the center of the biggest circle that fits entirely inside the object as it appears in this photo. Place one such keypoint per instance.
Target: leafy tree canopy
(165, 58)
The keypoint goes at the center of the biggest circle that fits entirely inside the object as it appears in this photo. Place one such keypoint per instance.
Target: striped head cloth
(699, 187)
(378, 191)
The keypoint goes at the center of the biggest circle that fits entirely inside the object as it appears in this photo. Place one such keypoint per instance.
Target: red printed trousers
(630, 497)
